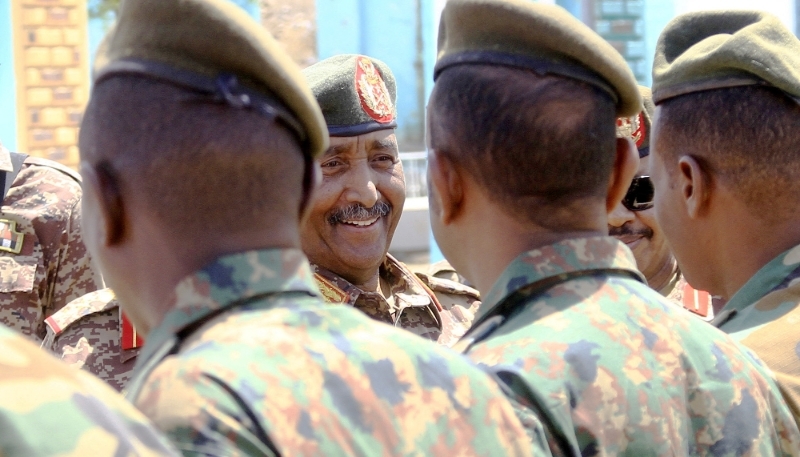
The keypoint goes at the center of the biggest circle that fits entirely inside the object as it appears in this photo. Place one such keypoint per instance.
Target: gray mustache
(359, 212)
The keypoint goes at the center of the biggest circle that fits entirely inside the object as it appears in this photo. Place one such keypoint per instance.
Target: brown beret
(716, 49)
(213, 47)
(535, 36)
(637, 127)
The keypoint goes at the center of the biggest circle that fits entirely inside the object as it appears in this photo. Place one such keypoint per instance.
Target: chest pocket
(17, 273)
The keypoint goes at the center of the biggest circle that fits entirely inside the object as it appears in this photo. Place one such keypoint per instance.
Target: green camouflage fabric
(622, 370)
(267, 368)
(48, 409)
(86, 334)
(764, 315)
(433, 308)
(52, 267)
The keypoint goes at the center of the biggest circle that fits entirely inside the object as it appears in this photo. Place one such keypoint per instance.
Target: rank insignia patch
(372, 91)
(130, 338)
(10, 239)
(330, 292)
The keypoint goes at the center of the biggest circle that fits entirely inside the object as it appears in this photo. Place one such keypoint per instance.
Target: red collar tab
(130, 338)
(696, 301)
(372, 92)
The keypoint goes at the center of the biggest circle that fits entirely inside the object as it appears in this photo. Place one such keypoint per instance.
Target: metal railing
(415, 166)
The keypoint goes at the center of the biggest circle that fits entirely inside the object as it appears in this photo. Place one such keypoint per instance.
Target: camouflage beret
(543, 38)
(357, 94)
(637, 127)
(214, 48)
(717, 49)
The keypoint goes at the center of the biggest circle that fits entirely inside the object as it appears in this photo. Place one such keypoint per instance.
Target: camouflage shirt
(431, 307)
(249, 361)
(52, 267)
(764, 315)
(623, 371)
(90, 333)
(48, 409)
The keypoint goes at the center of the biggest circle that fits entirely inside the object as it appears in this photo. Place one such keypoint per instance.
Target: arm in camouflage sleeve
(74, 275)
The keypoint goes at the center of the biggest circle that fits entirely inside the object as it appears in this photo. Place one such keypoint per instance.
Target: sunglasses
(640, 194)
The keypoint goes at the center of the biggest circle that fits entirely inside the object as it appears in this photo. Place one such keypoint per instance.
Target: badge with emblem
(372, 91)
(330, 292)
(10, 238)
(633, 128)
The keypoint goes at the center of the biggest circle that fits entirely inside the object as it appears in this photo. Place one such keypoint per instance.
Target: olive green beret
(214, 48)
(717, 49)
(543, 38)
(357, 94)
(637, 127)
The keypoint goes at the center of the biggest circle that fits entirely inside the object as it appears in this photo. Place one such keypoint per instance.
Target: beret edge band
(359, 129)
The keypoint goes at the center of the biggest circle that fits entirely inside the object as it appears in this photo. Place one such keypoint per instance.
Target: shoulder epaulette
(448, 287)
(49, 163)
(94, 302)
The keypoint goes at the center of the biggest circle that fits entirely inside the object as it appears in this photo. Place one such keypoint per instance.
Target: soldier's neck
(665, 276)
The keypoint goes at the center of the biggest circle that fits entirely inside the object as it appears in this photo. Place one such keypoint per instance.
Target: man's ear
(694, 184)
(447, 183)
(104, 188)
(626, 163)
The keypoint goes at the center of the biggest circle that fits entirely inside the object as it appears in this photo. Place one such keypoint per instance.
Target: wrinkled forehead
(384, 140)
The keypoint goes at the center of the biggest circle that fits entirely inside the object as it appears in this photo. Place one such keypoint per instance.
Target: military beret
(717, 49)
(357, 94)
(543, 38)
(214, 48)
(637, 127)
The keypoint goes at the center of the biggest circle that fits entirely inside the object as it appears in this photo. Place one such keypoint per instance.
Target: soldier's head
(633, 220)
(522, 119)
(198, 141)
(358, 204)
(726, 132)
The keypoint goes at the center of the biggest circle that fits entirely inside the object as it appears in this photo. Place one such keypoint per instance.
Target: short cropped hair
(537, 144)
(203, 168)
(747, 137)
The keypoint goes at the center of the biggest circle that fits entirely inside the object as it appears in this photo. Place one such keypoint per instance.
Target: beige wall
(293, 23)
(52, 73)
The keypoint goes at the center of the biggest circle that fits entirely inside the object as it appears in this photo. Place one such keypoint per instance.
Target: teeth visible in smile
(362, 223)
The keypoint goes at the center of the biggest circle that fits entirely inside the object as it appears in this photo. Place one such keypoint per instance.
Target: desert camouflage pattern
(433, 308)
(87, 334)
(266, 368)
(49, 409)
(53, 267)
(443, 270)
(765, 316)
(625, 372)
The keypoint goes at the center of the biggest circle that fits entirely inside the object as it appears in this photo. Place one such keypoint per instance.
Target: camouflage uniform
(620, 369)
(250, 360)
(52, 268)
(433, 308)
(764, 315)
(47, 409)
(91, 333)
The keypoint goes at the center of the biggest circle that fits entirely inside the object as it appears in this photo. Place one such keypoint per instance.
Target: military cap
(213, 48)
(357, 94)
(637, 127)
(543, 38)
(717, 49)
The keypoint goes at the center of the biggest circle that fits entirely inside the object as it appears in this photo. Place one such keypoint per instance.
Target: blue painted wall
(391, 31)
(8, 89)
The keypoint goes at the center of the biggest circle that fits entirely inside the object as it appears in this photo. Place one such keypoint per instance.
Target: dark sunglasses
(640, 194)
